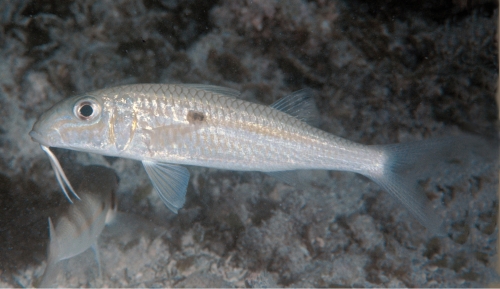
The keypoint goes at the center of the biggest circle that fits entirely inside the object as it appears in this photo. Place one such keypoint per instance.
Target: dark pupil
(86, 110)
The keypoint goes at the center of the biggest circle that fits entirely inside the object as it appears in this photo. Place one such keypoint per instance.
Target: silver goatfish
(165, 126)
(80, 226)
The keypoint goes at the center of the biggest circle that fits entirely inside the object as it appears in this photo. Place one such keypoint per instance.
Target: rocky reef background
(382, 71)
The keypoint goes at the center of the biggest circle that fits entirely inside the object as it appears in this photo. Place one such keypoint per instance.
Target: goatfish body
(79, 227)
(166, 126)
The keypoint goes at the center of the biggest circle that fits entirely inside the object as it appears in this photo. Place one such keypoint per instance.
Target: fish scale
(168, 125)
(250, 135)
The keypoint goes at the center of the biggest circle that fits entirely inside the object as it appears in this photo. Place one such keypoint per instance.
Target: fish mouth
(37, 137)
(48, 138)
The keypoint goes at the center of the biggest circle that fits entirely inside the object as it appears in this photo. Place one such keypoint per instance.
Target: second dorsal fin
(299, 104)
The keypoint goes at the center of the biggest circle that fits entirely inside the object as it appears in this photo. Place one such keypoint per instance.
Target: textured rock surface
(382, 73)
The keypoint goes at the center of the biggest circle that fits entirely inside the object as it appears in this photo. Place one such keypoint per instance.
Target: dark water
(382, 73)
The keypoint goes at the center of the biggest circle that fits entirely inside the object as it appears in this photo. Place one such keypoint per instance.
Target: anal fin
(289, 177)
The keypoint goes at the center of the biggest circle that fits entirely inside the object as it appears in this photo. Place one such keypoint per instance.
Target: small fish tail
(50, 274)
(48, 279)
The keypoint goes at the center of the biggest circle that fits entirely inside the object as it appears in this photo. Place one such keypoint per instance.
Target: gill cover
(123, 122)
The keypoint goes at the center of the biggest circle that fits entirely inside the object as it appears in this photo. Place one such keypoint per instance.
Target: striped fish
(79, 227)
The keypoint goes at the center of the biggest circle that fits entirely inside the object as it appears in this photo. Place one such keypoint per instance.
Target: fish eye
(86, 109)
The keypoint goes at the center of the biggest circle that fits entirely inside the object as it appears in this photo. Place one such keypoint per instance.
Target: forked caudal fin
(406, 190)
(405, 162)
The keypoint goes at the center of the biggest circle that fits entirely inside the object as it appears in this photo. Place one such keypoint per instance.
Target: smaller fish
(80, 226)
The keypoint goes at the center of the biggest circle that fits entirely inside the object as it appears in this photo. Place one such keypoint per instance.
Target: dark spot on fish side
(194, 117)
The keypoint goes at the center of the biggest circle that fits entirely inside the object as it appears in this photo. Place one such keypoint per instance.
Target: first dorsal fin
(299, 104)
(215, 89)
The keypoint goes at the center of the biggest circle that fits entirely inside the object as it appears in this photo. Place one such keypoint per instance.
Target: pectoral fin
(170, 182)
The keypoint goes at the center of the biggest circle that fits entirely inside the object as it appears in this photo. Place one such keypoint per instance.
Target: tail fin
(49, 276)
(406, 162)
